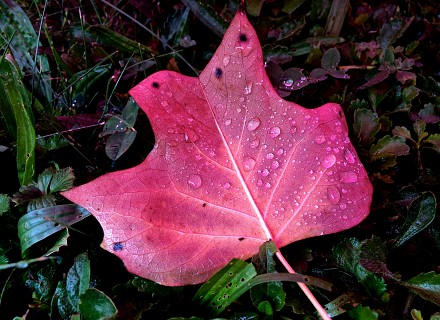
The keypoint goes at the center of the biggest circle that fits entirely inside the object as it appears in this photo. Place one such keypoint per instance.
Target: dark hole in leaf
(242, 279)
(56, 224)
(155, 85)
(231, 274)
(243, 37)
(204, 204)
(241, 239)
(118, 246)
(218, 73)
(306, 279)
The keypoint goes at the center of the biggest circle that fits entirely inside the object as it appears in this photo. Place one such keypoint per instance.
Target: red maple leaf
(234, 165)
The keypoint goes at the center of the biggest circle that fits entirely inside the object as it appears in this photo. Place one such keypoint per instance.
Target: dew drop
(280, 151)
(349, 156)
(333, 194)
(194, 181)
(274, 132)
(259, 182)
(270, 156)
(329, 161)
(288, 82)
(191, 136)
(226, 185)
(268, 185)
(228, 122)
(265, 173)
(349, 177)
(293, 129)
(255, 143)
(226, 60)
(248, 163)
(253, 123)
(320, 139)
(275, 164)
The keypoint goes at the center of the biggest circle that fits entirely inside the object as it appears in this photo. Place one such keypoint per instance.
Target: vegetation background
(65, 69)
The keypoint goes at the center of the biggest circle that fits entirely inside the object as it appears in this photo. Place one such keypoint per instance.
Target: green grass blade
(39, 224)
(16, 113)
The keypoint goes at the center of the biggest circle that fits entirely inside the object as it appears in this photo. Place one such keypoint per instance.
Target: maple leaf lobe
(232, 160)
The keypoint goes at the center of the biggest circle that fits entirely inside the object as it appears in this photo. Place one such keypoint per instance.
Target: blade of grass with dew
(15, 109)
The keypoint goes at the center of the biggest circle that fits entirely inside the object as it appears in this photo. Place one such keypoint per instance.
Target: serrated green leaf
(433, 141)
(419, 127)
(39, 194)
(363, 313)
(427, 285)
(366, 125)
(4, 203)
(420, 215)
(39, 224)
(389, 147)
(359, 104)
(348, 257)
(402, 132)
(95, 305)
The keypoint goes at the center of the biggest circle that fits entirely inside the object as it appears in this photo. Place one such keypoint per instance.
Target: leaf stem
(304, 288)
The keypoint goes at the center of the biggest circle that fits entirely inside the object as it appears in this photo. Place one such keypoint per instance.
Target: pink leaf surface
(233, 166)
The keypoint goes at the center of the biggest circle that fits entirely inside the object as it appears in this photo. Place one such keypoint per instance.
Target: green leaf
(392, 31)
(408, 94)
(98, 34)
(15, 110)
(23, 42)
(84, 84)
(389, 147)
(39, 194)
(61, 242)
(427, 285)
(348, 255)
(363, 313)
(77, 282)
(118, 143)
(225, 286)
(42, 282)
(366, 125)
(39, 224)
(340, 304)
(420, 215)
(330, 59)
(4, 203)
(95, 305)
(433, 141)
(271, 292)
(402, 132)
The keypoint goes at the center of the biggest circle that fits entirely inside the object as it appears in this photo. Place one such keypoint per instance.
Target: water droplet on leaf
(349, 156)
(333, 194)
(195, 181)
(274, 132)
(248, 163)
(228, 122)
(349, 177)
(329, 161)
(320, 139)
(253, 123)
